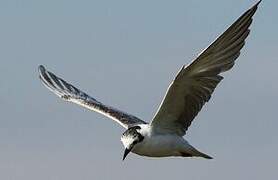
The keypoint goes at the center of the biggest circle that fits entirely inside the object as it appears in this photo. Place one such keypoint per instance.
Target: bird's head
(130, 138)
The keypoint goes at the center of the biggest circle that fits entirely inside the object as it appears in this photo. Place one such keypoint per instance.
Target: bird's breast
(159, 146)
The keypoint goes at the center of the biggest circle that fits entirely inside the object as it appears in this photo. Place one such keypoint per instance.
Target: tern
(186, 95)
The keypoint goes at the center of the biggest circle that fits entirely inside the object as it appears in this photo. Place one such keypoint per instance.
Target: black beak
(126, 153)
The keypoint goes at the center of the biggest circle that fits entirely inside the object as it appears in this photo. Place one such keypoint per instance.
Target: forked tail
(204, 155)
(195, 154)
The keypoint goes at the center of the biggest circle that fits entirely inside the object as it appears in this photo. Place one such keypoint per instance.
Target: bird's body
(163, 145)
(157, 145)
(186, 95)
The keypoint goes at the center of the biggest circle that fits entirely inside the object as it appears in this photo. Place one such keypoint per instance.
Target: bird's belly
(159, 146)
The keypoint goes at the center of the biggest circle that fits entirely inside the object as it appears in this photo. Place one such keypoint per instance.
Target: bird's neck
(145, 130)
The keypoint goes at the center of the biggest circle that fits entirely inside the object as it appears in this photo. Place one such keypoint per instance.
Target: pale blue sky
(125, 53)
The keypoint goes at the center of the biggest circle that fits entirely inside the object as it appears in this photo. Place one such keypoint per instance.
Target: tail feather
(204, 155)
(193, 152)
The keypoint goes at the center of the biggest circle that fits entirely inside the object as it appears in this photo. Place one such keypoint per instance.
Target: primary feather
(70, 93)
(194, 84)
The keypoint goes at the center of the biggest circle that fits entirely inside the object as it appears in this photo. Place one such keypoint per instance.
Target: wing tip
(258, 2)
(255, 7)
(41, 70)
(46, 79)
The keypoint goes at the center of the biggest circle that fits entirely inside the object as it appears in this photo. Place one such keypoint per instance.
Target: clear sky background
(125, 54)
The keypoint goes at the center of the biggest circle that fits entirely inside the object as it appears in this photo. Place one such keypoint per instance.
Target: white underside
(162, 145)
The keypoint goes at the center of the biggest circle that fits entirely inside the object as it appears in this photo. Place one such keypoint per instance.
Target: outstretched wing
(194, 84)
(70, 93)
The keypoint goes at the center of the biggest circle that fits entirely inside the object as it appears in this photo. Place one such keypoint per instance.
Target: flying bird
(185, 97)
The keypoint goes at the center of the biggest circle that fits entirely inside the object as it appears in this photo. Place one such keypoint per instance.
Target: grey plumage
(70, 93)
(195, 83)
